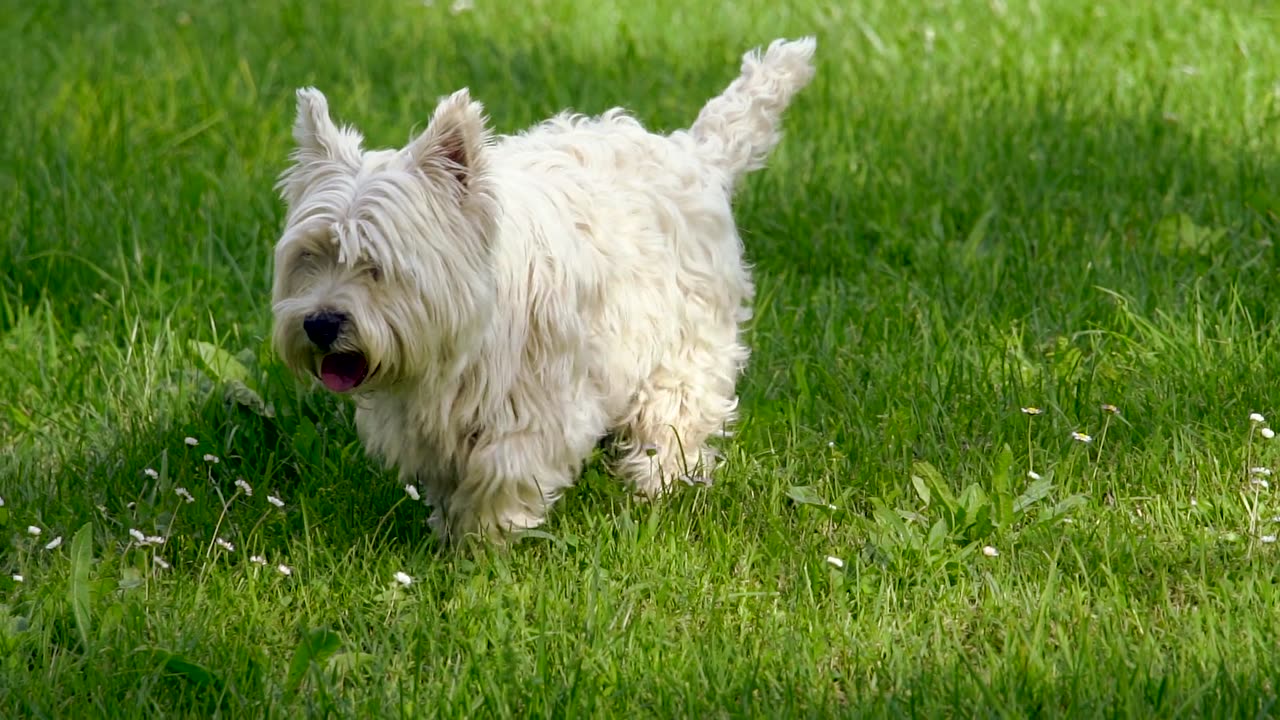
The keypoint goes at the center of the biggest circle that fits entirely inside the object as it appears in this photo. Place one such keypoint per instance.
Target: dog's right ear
(313, 129)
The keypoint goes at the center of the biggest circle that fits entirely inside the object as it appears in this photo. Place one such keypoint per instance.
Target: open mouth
(341, 372)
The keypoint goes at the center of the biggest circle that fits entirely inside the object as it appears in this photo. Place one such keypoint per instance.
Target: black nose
(323, 327)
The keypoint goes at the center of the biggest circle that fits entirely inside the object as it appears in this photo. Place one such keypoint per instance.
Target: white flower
(275, 501)
(461, 6)
(1, 502)
(54, 543)
(1033, 474)
(1032, 410)
(1194, 503)
(1263, 471)
(225, 545)
(136, 534)
(240, 483)
(412, 492)
(404, 579)
(1260, 483)
(1081, 437)
(1268, 538)
(990, 551)
(211, 458)
(154, 540)
(257, 560)
(1268, 433)
(182, 493)
(33, 530)
(17, 578)
(151, 473)
(284, 569)
(191, 441)
(160, 562)
(831, 444)
(1257, 418)
(1109, 408)
(835, 561)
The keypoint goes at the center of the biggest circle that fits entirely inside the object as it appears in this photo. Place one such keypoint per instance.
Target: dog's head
(383, 269)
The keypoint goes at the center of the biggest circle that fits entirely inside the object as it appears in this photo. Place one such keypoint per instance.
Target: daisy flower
(275, 501)
(404, 579)
(990, 551)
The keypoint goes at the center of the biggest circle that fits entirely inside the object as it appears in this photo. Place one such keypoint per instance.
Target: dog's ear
(454, 139)
(313, 129)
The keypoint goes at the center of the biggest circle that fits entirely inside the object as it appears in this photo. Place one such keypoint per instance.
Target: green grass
(978, 207)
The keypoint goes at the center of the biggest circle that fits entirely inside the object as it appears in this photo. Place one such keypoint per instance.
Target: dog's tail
(738, 129)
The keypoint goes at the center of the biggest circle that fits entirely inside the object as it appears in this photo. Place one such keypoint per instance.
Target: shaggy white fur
(496, 307)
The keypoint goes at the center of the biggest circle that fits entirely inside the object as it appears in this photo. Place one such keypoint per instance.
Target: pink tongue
(342, 372)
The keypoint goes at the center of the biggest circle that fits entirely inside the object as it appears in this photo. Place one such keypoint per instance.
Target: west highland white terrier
(498, 306)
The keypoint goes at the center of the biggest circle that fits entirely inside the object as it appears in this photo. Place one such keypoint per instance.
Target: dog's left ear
(454, 140)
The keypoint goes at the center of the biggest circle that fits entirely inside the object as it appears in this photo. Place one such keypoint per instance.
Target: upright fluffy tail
(739, 128)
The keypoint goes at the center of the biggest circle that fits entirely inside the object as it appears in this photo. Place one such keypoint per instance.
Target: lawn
(979, 207)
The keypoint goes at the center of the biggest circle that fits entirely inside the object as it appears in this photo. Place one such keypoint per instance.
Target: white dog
(497, 306)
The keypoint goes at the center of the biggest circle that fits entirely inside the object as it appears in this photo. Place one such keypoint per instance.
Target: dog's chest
(411, 440)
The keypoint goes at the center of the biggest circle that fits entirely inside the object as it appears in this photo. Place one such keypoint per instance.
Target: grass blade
(78, 588)
(316, 646)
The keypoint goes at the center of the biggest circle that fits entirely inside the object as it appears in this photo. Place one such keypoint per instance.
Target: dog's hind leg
(678, 412)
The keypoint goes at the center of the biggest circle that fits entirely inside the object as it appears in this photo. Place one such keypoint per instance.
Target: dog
(498, 306)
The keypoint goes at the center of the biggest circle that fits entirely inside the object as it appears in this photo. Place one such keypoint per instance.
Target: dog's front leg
(509, 484)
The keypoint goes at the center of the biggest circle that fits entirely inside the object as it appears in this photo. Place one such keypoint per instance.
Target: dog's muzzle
(339, 371)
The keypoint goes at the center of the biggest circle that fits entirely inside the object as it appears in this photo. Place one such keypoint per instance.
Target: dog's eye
(306, 256)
